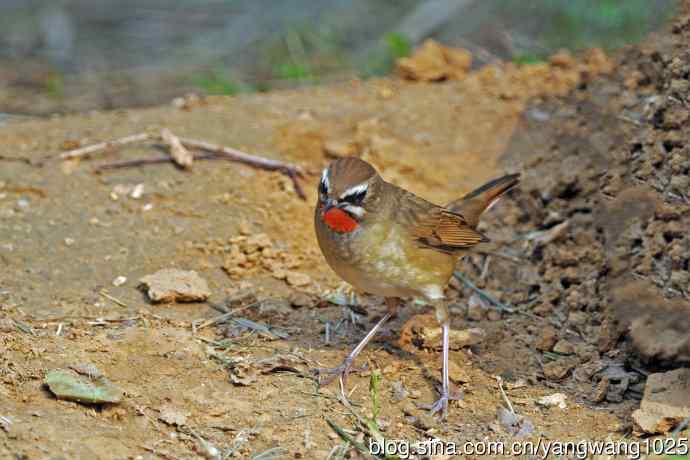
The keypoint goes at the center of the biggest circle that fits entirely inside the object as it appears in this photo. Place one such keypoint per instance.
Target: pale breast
(383, 260)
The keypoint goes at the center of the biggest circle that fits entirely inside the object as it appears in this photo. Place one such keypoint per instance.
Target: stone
(554, 400)
(274, 306)
(475, 311)
(300, 300)
(434, 62)
(297, 279)
(458, 338)
(665, 404)
(173, 416)
(71, 385)
(456, 373)
(119, 281)
(578, 318)
(494, 315)
(564, 347)
(548, 338)
(424, 421)
(173, 285)
(600, 391)
(399, 392)
(557, 370)
(514, 424)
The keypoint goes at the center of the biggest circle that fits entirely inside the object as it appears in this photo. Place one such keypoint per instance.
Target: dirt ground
(604, 200)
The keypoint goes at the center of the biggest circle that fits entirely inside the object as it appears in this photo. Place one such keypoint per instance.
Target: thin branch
(242, 157)
(203, 156)
(178, 152)
(501, 255)
(179, 155)
(223, 317)
(683, 425)
(113, 299)
(295, 183)
(85, 152)
(503, 393)
(17, 160)
(291, 171)
(134, 163)
(485, 295)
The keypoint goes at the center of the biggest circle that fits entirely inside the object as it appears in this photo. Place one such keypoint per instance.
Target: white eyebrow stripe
(355, 210)
(355, 190)
(324, 179)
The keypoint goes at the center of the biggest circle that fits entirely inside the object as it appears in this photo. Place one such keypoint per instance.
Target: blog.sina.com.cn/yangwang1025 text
(540, 448)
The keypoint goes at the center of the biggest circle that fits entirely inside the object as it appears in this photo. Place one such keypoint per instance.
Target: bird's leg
(345, 368)
(442, 403)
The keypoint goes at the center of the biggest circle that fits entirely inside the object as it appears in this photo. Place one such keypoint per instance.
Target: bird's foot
(326, 376)
(441, 404)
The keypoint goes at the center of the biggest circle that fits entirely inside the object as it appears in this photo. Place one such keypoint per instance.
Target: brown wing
(437, 228)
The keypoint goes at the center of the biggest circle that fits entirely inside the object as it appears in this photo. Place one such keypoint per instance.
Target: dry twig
(222, 318)
(503, 393)
(180, 155)
(483, 294)
(113, 299)
(17, 159)
(85, 152)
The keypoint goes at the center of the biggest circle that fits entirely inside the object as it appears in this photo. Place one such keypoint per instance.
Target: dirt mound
(610, 165)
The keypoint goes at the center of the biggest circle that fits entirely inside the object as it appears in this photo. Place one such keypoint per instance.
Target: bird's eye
(356, 197)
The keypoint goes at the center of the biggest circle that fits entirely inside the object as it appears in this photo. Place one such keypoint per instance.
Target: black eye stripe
(322, 188)
(355, 198)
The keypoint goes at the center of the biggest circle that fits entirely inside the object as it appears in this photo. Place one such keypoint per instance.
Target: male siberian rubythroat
(386, 241)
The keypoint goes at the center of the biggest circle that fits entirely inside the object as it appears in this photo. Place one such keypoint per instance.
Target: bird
(386, 241)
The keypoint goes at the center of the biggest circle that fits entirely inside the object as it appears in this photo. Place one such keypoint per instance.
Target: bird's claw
(325, 376)
(441, 404)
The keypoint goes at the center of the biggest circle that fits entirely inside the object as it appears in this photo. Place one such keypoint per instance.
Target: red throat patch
(339, 220)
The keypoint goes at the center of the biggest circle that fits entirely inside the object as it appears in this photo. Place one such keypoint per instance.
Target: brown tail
(473, 205)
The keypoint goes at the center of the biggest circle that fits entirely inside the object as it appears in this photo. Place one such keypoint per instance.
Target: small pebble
(137, 191)
(174, 285)
(494, 315)
(299, 300)
(600, 391)
(578, 318)
(69, 241)
(119, 281)
(297, 279)
(424, 421)
(548, 339)
(475, 309)
(553, 400)
(564, 347)
(557, 370)
(386, 93)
